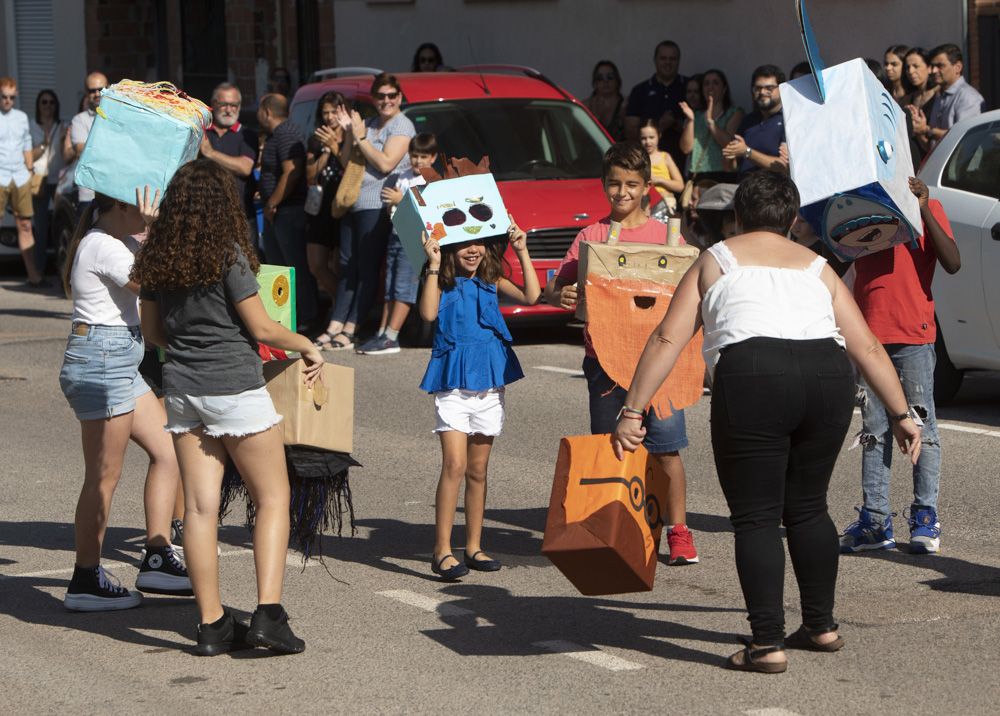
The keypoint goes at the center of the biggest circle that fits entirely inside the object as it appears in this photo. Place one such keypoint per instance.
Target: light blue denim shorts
(246, 413)
(100, 371)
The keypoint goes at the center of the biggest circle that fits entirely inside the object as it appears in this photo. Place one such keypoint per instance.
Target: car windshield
(524, 138)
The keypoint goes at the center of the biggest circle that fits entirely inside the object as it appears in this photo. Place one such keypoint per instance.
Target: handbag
(37, 181)
(605, 516)
(350, 184)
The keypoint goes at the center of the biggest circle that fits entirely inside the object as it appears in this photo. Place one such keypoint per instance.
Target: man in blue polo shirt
(757, 144)
(232, 146)
(659, 98)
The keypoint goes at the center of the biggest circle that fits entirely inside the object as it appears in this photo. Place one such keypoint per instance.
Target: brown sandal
(750, 662)
(805, 639)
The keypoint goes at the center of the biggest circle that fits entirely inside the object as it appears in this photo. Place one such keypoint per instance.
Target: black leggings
(780, 411)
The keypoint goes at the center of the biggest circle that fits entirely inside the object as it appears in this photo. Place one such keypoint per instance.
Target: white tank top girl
(755, 301)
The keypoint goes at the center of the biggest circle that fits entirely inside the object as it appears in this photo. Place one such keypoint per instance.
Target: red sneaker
(681, 543)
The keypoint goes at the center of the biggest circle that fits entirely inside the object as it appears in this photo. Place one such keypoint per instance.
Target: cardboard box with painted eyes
(849, 155)
(452, 211)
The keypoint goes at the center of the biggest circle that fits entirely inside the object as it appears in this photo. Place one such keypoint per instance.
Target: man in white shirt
(79, 130)
(16, 165)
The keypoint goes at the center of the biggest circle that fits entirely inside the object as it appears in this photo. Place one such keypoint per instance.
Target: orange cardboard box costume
(605, 517)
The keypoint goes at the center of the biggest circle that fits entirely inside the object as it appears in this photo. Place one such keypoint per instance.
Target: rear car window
(974, 166)
(525, 139)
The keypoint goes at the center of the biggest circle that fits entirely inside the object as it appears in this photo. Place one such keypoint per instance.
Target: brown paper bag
(605, 517)
(350, 184)
(321, 416)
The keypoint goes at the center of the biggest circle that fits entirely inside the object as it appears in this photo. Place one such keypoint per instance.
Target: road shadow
(35, 313)
(977, 401)
(959, 576)
(121, 544)
(517, 625)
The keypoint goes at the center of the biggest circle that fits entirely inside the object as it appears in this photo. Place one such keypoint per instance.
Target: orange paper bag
(605, 517)
(321, 416)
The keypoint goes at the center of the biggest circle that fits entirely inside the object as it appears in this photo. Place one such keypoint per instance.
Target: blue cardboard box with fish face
(452, 211)
(850, 158)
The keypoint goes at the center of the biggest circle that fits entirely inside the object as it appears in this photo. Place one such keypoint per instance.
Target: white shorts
(241, 414)
(469, 412)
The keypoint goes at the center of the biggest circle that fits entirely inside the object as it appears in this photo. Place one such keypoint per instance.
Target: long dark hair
(727, 101)
(100, 204)
(491, 269)
(900, 51)
(334, 98)
(38, 105)
(415, 65)
(614, 71)
(926, 57)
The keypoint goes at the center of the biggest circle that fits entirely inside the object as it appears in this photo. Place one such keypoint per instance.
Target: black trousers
(780, 412)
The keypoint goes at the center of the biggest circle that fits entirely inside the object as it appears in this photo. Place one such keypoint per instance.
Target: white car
(963, 173)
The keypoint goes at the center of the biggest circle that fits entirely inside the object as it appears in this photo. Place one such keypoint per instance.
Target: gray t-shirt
(370, 196)
(209, 350)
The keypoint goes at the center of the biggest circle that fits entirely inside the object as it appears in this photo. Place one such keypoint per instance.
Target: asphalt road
(385, 637)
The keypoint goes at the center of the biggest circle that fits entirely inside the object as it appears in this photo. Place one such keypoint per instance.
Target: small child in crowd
(200, 301)
(470, 364)
(665, 175)
(400, 281)
(626, 180)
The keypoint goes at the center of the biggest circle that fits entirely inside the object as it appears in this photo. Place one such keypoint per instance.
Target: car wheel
(947, 378)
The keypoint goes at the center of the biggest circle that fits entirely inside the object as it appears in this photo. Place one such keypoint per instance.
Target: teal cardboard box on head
(452, 211)
(141, 135)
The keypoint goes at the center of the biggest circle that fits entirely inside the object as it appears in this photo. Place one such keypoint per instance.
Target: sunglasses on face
(604, 77)
(94, 90)
(386, 95)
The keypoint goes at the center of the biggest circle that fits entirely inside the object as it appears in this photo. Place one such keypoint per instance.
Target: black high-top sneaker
(163, 572)
(93, 590)
(269, 628)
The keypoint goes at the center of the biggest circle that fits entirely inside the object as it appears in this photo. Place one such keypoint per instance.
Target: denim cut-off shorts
(100, 372)
(246, 413)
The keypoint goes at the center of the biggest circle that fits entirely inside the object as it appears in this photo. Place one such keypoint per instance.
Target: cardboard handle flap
(319, 393)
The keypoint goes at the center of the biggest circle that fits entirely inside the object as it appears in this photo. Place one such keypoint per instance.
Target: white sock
(392, 334)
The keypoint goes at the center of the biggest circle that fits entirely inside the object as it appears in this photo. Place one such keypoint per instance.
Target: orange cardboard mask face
(621, 315)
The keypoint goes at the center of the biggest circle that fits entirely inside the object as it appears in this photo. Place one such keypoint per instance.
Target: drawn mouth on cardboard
(644, 303)
(864, 230)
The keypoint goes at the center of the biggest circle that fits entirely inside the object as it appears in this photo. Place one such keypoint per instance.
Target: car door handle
(995, 231)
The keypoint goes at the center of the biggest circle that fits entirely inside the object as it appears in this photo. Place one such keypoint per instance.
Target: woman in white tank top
(779, 329)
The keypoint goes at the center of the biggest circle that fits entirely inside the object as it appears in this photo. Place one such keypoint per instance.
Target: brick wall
(121, 38)
(977, 9)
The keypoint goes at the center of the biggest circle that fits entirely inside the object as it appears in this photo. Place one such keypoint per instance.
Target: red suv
(545, 148)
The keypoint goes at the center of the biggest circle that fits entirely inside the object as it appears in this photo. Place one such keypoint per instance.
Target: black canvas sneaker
(163, 572)
(93, 590)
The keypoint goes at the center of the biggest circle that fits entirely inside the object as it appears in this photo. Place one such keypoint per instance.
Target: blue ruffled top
(472, 346)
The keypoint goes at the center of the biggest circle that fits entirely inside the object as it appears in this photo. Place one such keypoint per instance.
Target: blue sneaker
(866, 534)
(925, 530)
(378, 346)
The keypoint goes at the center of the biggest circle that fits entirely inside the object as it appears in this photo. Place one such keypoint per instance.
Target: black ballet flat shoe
(481, 565)
(450, 574)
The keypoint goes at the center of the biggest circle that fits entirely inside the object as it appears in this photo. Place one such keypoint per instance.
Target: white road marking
(589, 655)
(106, 565)
(431, 604)
(773, 711)
(557, 369)
(959, 428)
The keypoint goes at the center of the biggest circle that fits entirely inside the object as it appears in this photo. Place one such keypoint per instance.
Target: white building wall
(565, 38)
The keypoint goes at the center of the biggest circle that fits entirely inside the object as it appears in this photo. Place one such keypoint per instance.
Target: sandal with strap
(323, 340)
(804, 638)
(336, 344)
(750, 663)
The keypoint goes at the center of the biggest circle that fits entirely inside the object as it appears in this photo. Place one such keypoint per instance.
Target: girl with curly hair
(199, 301)
(100, 379)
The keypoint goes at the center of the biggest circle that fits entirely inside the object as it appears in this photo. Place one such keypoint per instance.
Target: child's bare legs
(202, 460)
(163, 475)
(475, 491)
(260, 458)
(673, 467)
(454, 456)
(104, 443)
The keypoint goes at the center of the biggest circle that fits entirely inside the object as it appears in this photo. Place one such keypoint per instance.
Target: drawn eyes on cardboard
(623, 261)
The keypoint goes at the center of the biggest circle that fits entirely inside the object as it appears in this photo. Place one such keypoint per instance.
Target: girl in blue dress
(471, 362)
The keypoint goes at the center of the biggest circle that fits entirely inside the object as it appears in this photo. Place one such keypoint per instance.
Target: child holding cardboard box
(627, 174)
(200, 301)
